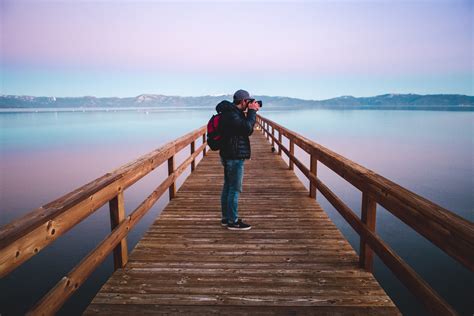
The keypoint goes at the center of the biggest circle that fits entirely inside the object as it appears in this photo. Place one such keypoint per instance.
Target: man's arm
(242, 126)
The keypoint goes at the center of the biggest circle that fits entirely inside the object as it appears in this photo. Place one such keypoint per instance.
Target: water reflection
(45, 155)
(429, 153)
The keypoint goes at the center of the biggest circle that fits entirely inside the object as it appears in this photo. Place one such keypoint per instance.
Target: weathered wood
(273, 141)
(293, 257)
(408, 276)
(280, 140)
(368, 215)
(248, 300)
(428, 297)
(117, 215)
(172, 188)
(14, 254)
(314, 171)
(28, 235)
(193, 164)
(204, 142)
(57, 296)
(450, 232)
(291, 154)
(132, 309)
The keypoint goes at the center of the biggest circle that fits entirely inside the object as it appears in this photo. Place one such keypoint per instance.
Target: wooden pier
(294, 260)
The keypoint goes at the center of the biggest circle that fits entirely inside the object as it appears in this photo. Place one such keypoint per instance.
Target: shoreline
(185, 108)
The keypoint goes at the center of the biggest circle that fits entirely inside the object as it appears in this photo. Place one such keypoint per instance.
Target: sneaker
(224, 222)
(239, 225)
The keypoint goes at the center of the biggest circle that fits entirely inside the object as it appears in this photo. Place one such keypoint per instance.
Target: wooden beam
(280, 140)
(314, 171)
(428, 297)
(368, 217)
(172, 188)
(69, 284)
(30, 234)
(193, 163)
(448, 231)
(292, 153)
(204, 142)
(273, 139)
(117, 215)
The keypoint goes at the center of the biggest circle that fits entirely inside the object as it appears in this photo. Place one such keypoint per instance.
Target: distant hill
(385, 101)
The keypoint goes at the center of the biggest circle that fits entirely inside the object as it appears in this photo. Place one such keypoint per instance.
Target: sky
(306, 49)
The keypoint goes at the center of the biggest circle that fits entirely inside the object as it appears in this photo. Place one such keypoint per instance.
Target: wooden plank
(427, 295)
(448, 231)
(432, 301)
(293, 258)
(251, 299)
(28, 235)
(154, 309)
(56, 297)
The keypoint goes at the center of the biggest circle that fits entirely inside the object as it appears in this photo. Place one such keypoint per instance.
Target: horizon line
(218, 95)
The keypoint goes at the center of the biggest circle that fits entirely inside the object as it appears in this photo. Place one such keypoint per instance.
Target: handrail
(450, 232)
(27, 236)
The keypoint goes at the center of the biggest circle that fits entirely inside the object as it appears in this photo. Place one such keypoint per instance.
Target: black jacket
(235, 128)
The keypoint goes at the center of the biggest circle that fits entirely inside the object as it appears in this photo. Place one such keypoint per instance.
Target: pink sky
(389, 39)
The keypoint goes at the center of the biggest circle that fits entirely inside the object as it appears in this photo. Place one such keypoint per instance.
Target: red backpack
(214, 136)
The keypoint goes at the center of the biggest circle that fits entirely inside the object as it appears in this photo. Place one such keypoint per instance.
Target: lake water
(47, 154)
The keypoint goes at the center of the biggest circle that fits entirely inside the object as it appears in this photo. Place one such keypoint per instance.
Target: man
(236, 127)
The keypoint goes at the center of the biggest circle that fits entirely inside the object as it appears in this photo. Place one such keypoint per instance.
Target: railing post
(268, 133)
(314, 170)
(117, 215)
(203, 141)
(193, 163)
(280, 140)
(368, 216)
(292, 153)
(273, 139)
(172, 188)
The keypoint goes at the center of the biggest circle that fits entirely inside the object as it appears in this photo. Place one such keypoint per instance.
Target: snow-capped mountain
(385, 101)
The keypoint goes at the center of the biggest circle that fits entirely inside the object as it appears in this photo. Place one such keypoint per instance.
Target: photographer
(237, 123)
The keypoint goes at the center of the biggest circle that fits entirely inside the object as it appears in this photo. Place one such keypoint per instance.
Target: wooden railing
(27, 236)
(449, 232)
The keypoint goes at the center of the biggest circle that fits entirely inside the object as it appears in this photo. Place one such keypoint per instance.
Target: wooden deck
(293, 261)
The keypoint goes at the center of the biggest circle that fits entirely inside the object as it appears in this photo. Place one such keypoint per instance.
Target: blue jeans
(233, 176)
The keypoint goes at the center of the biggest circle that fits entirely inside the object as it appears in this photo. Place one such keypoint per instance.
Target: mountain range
(385, 101)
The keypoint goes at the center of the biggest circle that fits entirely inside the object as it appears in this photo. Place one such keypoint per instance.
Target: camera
(260, 103)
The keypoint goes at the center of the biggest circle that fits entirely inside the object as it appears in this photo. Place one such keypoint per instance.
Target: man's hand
(254, 106)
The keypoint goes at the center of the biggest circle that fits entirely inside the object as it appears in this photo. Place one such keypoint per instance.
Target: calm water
(45, 155)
